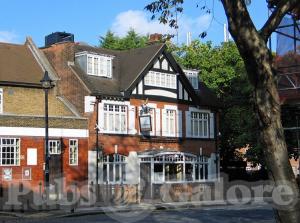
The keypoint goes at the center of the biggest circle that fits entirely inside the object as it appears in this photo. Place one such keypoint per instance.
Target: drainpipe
(217, 134)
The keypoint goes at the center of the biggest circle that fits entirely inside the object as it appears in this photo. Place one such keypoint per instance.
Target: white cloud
(8, 37)
(140, 21)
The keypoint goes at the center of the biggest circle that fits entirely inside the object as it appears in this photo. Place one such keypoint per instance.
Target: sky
(90, 19)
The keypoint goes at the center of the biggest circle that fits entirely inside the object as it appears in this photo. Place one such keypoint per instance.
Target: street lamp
(98, 100)
(47, 84)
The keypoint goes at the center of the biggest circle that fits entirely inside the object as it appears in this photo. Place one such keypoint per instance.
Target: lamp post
(46, 84)
(97, 147)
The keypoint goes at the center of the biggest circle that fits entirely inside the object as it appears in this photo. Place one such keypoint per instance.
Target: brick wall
(127, 143)
(39, 122)
(30, 101)
(69, 86)
(71, 173)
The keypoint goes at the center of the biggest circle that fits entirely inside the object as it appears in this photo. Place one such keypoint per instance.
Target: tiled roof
(18, 65)
(127, 65)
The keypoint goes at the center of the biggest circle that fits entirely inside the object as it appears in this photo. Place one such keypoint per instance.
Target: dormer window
(192, 75)
(99, 65)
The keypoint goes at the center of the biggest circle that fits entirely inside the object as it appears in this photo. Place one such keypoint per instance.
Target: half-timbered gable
(164, 80)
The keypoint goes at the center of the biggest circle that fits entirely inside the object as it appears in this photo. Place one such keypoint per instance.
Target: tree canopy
(251, 42)
(130, 41)
(222, 69)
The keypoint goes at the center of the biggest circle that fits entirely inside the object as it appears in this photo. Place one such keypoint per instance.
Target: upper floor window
(192, 75)
(169, 123)
(159, 79)
(9, 151)
(115, 118)
(199, 124)
(54, 147)
(1, 100)
(99, 65)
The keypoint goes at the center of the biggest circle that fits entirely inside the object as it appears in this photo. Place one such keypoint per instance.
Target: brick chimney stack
(155, 38)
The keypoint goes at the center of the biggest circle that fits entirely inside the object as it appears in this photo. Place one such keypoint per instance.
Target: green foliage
(130, 41)
(222, 69)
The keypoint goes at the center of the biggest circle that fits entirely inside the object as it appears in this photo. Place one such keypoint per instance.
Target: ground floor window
(54, 147)
(173, 172)
(177, 167)
(201, 168)
(114, 168)
(9, 151)
(73, 152)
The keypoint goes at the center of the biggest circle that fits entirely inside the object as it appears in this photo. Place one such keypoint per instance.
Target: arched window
(114, 169)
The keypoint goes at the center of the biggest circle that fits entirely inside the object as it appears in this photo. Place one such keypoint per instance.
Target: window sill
(185, 182)
(114, 133)
(160, 139)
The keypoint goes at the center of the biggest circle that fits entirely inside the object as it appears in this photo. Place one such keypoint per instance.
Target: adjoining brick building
(155, 122)
(22, 122)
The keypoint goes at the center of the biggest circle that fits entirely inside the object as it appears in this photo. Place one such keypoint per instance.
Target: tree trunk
(261, 73)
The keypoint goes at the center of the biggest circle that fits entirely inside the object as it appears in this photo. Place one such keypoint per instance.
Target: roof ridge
(13, 44)
(123, 51)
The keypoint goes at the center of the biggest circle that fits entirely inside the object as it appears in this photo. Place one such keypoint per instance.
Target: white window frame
(111, 110)
(169, 122)
(199, 120)
(56, 145)
(110, 173)
(177, 158)
(193, 77)
(1, 100)
(101, 68)
(73, 158)
(159, 79)
(16, 154)
(203, 174)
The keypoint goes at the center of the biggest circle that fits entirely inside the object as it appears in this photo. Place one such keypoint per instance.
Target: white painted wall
(161, 93)
(132, 168)
(53, 132)
(89, 102)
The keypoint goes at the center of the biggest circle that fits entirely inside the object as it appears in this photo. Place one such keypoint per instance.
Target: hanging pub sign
(145, 118)
(145, 123)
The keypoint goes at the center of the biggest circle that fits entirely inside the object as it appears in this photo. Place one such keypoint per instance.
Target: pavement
(168, 213)
(142, 207)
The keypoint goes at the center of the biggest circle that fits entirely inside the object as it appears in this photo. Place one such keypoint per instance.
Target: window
(201, 168)
(9, 151)
(199, 124)
(1, 100)
(114, 168)
(99, 65)
(170, 123)
(177, 167)
(158, 172)
(73, 152)
(193, 78)
(115, 118)
(159, 79)
(54, 147)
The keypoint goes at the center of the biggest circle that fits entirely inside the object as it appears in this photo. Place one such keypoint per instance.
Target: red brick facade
(128, 143)
(71, 173)
(69, 85)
